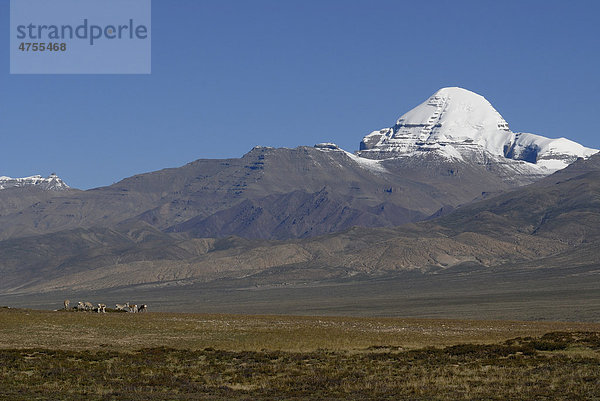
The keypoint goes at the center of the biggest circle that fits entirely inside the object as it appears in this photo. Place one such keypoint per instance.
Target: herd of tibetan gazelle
(101, 308)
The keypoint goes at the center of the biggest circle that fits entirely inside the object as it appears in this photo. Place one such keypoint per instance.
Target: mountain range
(452, 149)
(449, 187)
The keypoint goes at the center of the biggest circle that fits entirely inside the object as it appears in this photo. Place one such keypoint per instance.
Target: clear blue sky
(229, 75)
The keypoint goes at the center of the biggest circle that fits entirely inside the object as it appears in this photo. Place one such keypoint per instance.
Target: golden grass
(161, 356)
(124, 331)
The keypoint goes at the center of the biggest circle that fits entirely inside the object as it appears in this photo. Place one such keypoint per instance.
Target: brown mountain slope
(554, 221)
(295, 215)
(564, 207)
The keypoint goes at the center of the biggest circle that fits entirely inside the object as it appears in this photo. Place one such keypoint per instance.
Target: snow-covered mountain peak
(459, 124)
(455, 113)
(51, 183)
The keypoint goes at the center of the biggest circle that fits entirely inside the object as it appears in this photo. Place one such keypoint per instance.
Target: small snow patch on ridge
(369, 164)
(51, 183)
(374, 165)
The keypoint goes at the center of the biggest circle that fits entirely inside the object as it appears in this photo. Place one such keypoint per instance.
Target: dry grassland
(159, 356)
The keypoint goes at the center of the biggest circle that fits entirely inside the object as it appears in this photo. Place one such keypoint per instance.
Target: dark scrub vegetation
(555, 366)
